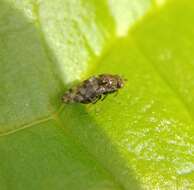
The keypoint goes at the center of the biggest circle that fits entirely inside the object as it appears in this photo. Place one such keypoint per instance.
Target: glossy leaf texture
(141, 138)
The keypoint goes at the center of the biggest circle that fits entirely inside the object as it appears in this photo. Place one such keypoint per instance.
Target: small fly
(93, 89)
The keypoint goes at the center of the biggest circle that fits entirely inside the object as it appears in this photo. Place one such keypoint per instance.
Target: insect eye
(103, 81)
(119, 85)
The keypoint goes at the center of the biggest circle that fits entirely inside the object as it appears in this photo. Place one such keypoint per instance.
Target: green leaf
(140, 139)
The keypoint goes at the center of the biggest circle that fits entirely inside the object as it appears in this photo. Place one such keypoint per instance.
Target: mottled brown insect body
(93, 89)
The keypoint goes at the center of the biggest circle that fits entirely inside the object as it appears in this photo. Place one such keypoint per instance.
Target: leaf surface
(141, 138)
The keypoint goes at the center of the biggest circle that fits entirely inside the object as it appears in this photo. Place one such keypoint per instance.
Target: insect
(93, 89)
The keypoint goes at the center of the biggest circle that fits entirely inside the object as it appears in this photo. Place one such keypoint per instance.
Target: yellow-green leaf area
(140, 138)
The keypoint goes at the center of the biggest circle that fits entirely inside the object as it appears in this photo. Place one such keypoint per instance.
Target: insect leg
(97, 98)
(105, 95)
(116, 93)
